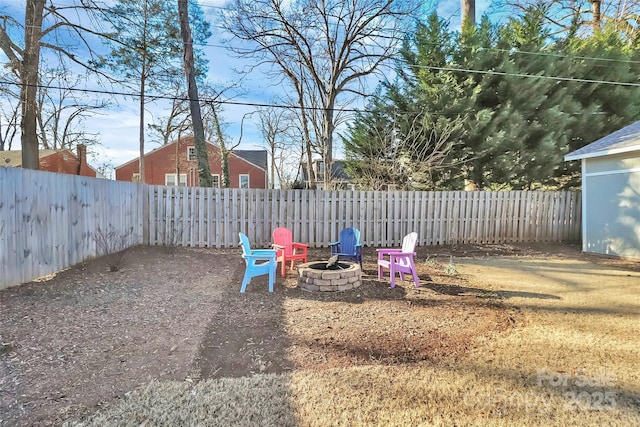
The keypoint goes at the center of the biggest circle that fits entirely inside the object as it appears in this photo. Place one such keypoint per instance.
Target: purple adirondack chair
(399, 260)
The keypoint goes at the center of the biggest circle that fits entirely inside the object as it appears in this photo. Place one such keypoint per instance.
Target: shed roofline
(602, 153)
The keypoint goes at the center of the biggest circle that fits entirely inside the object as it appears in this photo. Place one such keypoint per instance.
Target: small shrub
(451, 269)
(171, 238)
(431, 262)
(113, 242)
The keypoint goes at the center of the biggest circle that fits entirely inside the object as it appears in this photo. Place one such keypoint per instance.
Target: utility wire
(256, 104)
(152, 97)
(501, 73)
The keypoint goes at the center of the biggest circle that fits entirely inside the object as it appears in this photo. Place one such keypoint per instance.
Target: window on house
(191, 154)
(321, 168)
(170, 179)
(215, 179)
(244, 181)
(135, 177)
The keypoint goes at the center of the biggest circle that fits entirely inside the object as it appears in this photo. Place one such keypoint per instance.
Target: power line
(178, 98)
(501, 73)
(493, 49)
(511, 51)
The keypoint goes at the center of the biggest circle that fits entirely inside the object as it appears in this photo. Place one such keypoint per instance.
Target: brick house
(60, 161)
(247, 168)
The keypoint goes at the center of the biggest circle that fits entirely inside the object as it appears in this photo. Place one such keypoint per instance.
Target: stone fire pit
(315, 276)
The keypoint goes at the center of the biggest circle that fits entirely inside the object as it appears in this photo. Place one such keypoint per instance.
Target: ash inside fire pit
(332, 264)
(329, 276)
(327, 267)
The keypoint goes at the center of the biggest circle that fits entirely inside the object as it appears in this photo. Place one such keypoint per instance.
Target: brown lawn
(495, 335)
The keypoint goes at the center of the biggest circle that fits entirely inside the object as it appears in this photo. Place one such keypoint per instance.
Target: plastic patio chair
(287, 249)
(400, 260)
(349, 245)
(259, 262)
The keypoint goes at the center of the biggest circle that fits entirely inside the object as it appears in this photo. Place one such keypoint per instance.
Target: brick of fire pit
(315, 279)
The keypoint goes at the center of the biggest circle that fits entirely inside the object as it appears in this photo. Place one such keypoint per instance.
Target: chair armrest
(266, 255)
(265, 252)
(277, 247)
(401, 254)
(388, 251)
(335, 247)
(300, 245)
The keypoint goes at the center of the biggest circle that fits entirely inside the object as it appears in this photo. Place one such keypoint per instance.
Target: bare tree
(571, 16)
(407, 160)
(60, 112)
(177, 121)
(275, 124)
(225, 145)
(329, 46)
(24, 58)
(8, 126)
(9, 113)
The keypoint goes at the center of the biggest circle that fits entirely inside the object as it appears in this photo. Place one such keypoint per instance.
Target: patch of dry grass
(374, 395)
(581, 323)
(248, 401)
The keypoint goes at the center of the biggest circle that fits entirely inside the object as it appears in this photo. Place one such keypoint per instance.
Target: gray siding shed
(611, 193)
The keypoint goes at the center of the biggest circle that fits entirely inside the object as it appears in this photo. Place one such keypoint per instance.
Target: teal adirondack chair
(349, 245)
(259, 262)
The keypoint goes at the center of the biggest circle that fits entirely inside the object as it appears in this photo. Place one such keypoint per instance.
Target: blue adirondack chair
(349, 245)
(259, 262)
(399, 260)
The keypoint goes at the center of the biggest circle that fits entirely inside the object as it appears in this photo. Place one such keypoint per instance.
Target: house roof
(255, 157)
(624, 140)
(337, 171)
(14, 157)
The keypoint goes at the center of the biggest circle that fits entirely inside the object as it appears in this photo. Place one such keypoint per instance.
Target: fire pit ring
(315, 276)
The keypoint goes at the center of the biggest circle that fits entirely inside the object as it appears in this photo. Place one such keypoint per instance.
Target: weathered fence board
(51, 221)
(316, 217)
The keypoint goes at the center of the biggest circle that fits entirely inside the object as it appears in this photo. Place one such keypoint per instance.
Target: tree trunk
(272, 184)
(204, 172)
(597, 16)
(306, 140)
(141, 131)
(29, 89)
(224, 153)
(468, 13)
(328, 128)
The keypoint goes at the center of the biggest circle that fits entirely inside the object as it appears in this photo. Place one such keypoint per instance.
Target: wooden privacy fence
(192, 216)
(51, 221)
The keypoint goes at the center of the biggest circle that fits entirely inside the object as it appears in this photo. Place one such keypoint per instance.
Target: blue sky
(118, 126)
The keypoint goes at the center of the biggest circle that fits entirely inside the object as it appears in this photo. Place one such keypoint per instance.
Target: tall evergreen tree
(519, 120)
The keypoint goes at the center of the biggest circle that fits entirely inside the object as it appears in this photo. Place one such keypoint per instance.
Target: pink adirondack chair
(400, 260)
(287, 249)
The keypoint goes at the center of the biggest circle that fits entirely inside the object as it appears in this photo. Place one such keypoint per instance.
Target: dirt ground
(75, 342)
